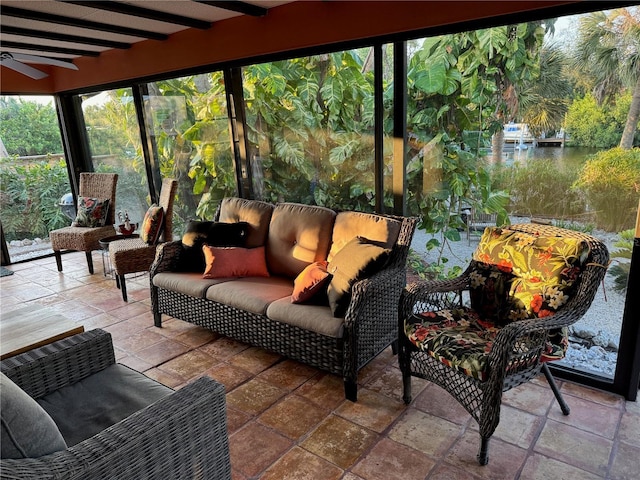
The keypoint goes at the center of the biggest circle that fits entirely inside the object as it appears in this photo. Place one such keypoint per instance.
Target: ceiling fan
(14, 61)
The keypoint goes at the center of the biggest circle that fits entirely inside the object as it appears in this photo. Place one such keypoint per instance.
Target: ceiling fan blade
(23, 57)
(22, 68)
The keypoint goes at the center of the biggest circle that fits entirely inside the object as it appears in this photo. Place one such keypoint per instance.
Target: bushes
(539, 188)
(610, 181)
(29, 196)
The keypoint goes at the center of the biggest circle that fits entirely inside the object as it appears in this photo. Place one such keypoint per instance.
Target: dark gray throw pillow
(27, 430)
(216, 234)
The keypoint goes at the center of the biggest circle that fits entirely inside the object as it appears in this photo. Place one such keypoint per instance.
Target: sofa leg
(394, 347)
(351, 390)
(58, 256)
(157, 319)
(89, 261)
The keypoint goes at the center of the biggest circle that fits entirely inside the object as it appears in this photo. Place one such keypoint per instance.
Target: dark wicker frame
(515, 355)
(370, 321)
(183, 435)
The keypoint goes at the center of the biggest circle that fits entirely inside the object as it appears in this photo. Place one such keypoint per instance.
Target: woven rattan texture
(370, 321)
(515, 355)
(184, 435)
(132, 255)
(85, 239)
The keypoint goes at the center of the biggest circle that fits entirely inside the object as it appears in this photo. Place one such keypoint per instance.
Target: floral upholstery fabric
(459, 338)
(92, 212)
(539, 271)
(515, 276)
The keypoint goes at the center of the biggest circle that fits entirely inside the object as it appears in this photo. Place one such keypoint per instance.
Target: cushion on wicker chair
(515, 276)
(92, 212)
(539, 271)
(27, 429)
(152, 224)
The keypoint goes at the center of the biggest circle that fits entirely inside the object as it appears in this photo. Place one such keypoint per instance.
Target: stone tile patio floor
(289, 421)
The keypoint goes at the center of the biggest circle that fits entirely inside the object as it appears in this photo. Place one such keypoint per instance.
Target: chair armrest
(433, 295)
(167, 257)
(183, 435)
(46, 369)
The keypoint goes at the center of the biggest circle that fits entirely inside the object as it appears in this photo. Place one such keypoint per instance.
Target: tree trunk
(626, 142)
(497, 144)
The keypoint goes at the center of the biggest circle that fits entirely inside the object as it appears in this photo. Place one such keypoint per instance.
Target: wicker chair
(181, 435)
(511, 353)
(132, 255)
(85, 239)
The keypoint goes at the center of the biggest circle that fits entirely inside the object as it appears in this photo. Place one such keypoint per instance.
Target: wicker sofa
(258, 310)
(96, 419)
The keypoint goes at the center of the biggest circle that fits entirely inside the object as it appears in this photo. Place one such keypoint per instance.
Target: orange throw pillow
(224, 262)
(312, 281)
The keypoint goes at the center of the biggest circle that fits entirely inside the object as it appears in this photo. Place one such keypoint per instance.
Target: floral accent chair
(499, 323)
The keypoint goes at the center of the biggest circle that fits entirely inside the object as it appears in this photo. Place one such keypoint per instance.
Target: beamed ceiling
(107, 43)
(68, 30)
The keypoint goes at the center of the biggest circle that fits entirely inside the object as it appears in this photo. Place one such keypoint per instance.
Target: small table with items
(104, 244)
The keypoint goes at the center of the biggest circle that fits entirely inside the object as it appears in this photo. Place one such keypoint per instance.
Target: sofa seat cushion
(256, 213)
(298, 235)
(315, 318)
(349, 225)
(186, 282)
(89, 406)
(28, 431)
(252, 294)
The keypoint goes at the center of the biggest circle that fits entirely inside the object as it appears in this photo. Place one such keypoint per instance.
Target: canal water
(570, 158)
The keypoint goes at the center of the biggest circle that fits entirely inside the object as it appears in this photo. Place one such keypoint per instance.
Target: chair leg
(394, 347)
(483, 453)
(123, 287)
(406, 387)
(117, 281)
(58, 256)
(563, 405)
(89, 262)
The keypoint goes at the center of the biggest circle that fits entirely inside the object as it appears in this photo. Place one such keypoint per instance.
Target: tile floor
(290, 421)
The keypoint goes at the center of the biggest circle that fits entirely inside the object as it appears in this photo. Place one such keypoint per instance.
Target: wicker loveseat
(258, 309)
(96, 419)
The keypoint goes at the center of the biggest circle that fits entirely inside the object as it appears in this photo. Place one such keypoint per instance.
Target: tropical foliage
(608, 51)
(28, 128)
(610, 181)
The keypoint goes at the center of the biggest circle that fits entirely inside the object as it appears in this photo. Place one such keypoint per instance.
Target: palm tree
(544, 101)
(608, 50)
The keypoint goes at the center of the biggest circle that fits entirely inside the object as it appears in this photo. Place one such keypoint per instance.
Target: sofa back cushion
(256, 213)
(298, 235)
(376, 228)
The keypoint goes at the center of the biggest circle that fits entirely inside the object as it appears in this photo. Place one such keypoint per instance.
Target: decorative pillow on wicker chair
(358, 259)
(311, 284)
(215, 234)
(225, 262)
(544, 269)
(152, 225)
(27, 430)
(92, 212)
